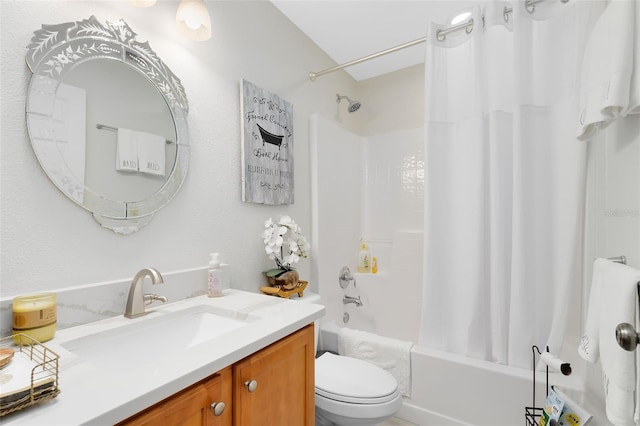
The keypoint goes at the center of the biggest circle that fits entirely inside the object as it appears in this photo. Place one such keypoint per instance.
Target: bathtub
(448, 389)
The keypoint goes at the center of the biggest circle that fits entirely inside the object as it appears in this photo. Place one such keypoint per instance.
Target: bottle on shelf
(364, 260)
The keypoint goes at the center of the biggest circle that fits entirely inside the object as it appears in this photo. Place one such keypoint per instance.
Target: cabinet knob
(251, 385)
(217, 408)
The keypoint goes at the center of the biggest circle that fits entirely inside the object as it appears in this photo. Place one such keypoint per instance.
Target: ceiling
(351, 29)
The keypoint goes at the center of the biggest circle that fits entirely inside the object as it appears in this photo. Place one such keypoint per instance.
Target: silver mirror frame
(54, 51)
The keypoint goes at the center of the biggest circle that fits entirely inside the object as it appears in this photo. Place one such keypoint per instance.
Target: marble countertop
(91, 395)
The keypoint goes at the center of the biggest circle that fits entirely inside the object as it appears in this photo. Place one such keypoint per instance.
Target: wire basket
(36, 366)
(532, 415)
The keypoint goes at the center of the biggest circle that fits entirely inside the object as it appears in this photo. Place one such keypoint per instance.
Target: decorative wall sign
(267, 146)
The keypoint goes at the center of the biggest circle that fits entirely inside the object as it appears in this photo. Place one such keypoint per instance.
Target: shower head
(353, 105)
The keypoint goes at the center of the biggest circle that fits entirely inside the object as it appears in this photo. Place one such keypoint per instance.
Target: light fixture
(193, 21)
(141, 3)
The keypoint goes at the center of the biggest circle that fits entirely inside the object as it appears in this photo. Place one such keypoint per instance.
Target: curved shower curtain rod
(440, 34)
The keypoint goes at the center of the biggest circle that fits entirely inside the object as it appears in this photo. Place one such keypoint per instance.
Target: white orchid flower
(284, 242)
(285, 220)
(291, 259)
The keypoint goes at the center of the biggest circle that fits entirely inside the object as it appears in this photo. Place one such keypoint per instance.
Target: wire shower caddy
(532, 414)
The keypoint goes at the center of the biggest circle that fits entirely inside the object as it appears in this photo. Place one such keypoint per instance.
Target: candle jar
(35, 315)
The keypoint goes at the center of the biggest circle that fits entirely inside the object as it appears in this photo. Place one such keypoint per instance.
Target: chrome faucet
(355, 300)
(137, 300)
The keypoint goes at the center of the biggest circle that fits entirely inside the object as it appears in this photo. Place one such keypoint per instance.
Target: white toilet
(350, 391)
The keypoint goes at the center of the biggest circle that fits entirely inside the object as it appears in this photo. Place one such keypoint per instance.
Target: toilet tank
(311, 297)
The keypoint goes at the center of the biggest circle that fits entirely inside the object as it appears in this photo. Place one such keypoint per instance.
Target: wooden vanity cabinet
(193, 406)
(274, 386)
(283, 377)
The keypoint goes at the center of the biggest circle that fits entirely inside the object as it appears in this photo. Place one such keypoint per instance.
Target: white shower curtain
(504, 190)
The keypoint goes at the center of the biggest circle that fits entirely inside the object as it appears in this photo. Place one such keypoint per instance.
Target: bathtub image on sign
(267, 123)
(270, 138)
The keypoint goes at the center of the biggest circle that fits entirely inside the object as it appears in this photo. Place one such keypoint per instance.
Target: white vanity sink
(156, 336)
(116, 367)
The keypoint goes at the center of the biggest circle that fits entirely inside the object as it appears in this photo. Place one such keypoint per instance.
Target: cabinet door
(193, 406)
(283, 376)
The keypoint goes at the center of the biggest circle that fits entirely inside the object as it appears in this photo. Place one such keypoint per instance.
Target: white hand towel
(390, 354)
(611, 78)
(613, 300)
(127, 151)
(151, 153)
(589, 348)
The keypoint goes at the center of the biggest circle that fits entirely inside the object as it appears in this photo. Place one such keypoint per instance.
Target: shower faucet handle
(345, 277)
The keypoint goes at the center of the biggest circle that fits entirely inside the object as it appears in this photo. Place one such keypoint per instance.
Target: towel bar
(618, 259)
(115, 129)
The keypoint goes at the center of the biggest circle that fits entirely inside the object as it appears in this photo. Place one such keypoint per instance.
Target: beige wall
(392, 102)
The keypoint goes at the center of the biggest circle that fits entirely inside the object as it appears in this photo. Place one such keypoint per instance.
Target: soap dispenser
(364, 263)
(214, 284)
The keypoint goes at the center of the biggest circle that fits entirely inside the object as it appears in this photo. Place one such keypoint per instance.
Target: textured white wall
(47, 242)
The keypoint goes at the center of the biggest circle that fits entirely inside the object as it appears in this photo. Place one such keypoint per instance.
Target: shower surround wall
(335, 205)
(369, 189)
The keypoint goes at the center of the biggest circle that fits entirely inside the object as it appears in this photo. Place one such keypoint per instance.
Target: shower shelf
(532, 414)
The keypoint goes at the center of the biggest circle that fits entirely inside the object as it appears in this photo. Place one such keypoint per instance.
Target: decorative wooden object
(287, 281)
(6, 354)
(282, 292)
(267, 146)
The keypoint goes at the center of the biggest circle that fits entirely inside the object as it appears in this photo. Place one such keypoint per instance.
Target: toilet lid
(353, 380)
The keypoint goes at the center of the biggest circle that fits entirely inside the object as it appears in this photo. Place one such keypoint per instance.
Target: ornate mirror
(107, 120)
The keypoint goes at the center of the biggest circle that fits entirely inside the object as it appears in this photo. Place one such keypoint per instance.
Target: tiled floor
(394, 421)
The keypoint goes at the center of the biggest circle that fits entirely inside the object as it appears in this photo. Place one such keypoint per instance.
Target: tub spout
(355, 300)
